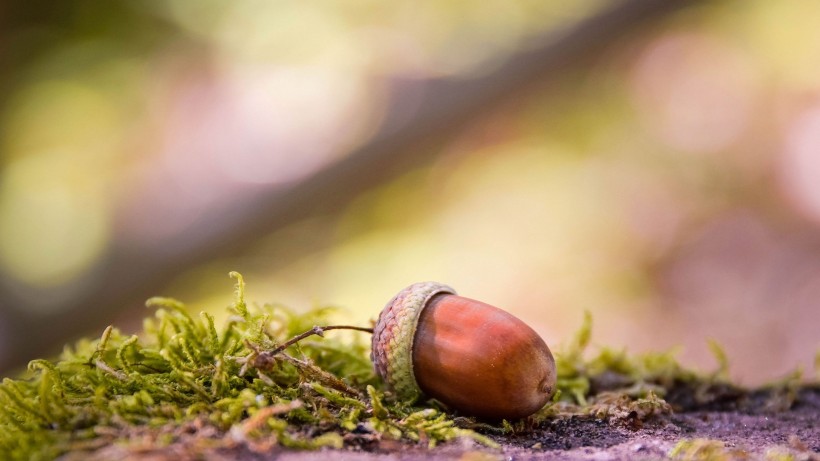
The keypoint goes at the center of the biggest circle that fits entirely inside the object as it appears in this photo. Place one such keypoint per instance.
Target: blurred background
(656, 163)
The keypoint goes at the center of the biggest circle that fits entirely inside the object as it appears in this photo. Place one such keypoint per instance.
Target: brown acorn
(476, 359)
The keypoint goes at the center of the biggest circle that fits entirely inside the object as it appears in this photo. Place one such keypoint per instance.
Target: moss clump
(184, 372)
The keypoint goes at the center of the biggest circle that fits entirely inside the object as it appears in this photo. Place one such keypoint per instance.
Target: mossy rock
(191, 390)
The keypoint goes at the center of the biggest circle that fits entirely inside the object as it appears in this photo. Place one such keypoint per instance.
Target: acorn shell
(475, 358)
(481, 360)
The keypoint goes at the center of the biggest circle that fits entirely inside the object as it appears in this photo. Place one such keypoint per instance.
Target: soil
(731, 425)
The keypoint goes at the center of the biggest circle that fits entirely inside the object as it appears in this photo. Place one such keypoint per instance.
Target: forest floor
(184, 390)
(748, 426)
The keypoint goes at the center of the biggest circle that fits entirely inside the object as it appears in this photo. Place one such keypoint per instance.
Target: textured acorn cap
(392, 347)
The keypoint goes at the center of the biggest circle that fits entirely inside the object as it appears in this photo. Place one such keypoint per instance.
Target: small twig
(264, 359)
(120, 376)
(240, 432)
(318, 331)
(318, 374)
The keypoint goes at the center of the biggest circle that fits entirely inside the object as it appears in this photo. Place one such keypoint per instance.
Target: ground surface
(749, 426)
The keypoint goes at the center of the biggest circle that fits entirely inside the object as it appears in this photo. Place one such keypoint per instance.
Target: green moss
(184, 368)
(247, 384)
(637, 376)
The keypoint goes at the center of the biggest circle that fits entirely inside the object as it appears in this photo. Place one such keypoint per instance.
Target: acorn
(474, 358)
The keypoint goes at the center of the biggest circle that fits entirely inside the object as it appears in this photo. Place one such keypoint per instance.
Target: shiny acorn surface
(475, 358)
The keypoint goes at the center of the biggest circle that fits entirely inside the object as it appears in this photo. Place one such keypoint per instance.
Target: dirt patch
(744, 423)
(746, 426)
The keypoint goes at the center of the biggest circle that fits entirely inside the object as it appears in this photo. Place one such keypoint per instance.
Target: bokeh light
(697, 92)
(800, 163)
(53, 216)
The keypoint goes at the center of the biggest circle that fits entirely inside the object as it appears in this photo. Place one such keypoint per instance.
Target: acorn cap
(392, 347)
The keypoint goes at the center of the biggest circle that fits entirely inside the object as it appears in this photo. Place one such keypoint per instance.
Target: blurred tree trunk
(125, 278)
